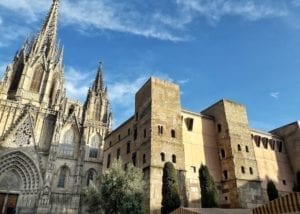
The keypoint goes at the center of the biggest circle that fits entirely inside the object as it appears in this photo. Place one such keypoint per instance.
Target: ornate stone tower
(49, 144)
(36, 72)
(97, 104)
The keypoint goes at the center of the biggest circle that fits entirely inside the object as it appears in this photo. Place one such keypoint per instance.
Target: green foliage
(120, 191)
(93, 200)
(271, 190)
(209, 192)
(297, 184)
(170, 189)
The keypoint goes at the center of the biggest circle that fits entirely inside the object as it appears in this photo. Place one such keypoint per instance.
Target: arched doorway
(10, 187)
(20, 181)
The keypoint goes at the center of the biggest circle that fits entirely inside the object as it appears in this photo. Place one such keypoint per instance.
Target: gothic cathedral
(50, 146)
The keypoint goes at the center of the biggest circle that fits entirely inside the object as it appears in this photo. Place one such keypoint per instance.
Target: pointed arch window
(54, 89)
(94, 146)
(62, 177)
(91, 177)
(37, 79)
(16, 79)
(97, 110)
(66, 146)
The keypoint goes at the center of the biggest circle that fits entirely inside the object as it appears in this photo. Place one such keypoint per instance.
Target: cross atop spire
(46, 39)
(98, 83)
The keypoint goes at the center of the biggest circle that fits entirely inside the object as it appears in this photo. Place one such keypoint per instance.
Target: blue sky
(244, 50)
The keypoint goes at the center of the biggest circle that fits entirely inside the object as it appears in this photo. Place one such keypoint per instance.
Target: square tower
(158, 112)
(240, 179)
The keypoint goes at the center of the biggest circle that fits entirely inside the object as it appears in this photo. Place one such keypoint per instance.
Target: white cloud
(183, 81)
(151, 21)
(26, 8)
(122, 92)
(115, 17)
(122, 96)
(275, 95)
(77, 83)
(12, 33)
(296, 3)
(251, 10)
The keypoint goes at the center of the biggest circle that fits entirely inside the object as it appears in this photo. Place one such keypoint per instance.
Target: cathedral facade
(50, 146)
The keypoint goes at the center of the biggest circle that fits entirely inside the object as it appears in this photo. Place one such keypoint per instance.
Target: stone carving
(23, 134)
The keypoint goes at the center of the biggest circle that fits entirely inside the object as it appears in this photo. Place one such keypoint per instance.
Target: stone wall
(238, 161)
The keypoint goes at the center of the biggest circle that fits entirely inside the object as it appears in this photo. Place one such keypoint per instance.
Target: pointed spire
(98, 83)
(46, 39)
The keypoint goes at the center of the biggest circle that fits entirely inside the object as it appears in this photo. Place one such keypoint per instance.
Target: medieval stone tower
(240, 189)
(50, 146)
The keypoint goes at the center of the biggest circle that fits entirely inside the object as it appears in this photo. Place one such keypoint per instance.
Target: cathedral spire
(98, 83)
(46, 38)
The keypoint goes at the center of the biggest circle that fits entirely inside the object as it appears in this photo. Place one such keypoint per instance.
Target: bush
(170, 192)
(93, 200)
(120, 191)
(209, 193)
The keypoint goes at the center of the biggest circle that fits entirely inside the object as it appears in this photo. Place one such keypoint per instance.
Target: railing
(286, 204)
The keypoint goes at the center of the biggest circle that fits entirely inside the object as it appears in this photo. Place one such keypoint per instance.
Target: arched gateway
(20, 180)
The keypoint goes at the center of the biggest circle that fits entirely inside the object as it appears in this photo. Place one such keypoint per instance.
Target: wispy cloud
(30, 9)
(296, 3)
(77, 83)
(12, 33)
(151, 19)
(120, 16)
(251, 10)
(275, 95)
(121, 94)
(183, 81)
(121, 91)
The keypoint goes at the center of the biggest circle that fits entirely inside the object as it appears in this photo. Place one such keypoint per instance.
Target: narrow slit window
(222, 153)
(118, 153)
(219, 126)
(243, 170)
(128, 147)
(251, 170)
(174, 158)
(247, 149)
(225, 174)
(173, 133)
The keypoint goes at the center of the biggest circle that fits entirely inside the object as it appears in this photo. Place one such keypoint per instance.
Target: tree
(208, 188)
(271, 190)
(120, 191)
(93, 200)
(170, 189)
